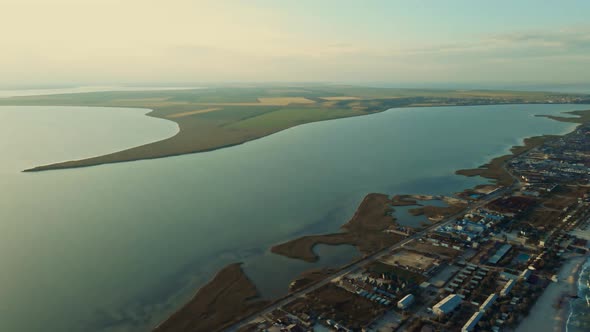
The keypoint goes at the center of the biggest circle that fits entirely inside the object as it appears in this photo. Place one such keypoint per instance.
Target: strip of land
(365, 230)
(227, 297)
(495, 170)
(219, 117)
(373, 218)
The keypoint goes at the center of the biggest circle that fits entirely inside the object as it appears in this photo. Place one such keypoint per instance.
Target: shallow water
(118, 247)
(405, 218)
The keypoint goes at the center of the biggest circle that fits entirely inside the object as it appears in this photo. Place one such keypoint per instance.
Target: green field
(218, 117)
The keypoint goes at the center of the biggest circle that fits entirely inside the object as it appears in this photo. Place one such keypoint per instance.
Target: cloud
(215, 40)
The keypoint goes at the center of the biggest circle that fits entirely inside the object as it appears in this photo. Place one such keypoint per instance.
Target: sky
(177, 41)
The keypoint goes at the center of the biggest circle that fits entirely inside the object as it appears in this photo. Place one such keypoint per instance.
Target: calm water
(54, 91)
(118, 247)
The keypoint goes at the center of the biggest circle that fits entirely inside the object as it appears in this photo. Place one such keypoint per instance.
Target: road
(295, 295)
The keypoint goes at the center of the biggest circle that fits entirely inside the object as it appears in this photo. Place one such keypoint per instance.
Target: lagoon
(118, 247)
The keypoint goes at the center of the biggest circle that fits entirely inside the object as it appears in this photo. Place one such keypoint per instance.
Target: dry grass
(364, 231)
(409, 258)
(183, 114)
(226, 298)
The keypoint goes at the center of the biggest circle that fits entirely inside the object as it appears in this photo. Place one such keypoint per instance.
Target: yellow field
(269, 101)
(139, 100)
(340, 98)
(183, 114)
(284, 101)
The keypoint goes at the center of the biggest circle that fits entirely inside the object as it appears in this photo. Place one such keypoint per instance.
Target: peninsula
(218, 117)
(494, 246)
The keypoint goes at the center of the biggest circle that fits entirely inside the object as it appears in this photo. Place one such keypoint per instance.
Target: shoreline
(113, 158)
(544, 312)
(365, 231)
(376, 207)
(228, 296)
(494, 169)
(197, 134)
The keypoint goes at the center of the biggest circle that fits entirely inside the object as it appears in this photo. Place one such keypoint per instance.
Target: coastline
(545, 312)
(169, 147)
(212, 119)
(364, 231)
(372, 217)
(494, 170)
(228, 296)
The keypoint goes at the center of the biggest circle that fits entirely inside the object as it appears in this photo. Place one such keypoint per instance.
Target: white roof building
(405, 302)
(447, 305)
(525, 274)
(488, 302)
(472, 322)
(507, 288)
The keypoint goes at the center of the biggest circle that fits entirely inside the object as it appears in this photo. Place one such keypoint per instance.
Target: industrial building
(406, 302)
(504, 249)
(525, 274)
(507, 288)
(447, 305)
(488, 302)
(472, 322)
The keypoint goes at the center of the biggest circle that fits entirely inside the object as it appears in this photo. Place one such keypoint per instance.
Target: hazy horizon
(68, 42)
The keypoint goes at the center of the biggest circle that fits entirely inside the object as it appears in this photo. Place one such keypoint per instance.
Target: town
(482, 269)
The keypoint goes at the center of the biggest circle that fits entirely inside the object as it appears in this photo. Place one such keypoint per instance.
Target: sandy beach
(544, 314)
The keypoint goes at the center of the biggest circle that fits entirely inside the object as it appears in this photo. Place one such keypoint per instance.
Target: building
(294, 328)
(507, 288)
(472, 322)
(406, 302)
(525, 274)
(447, 305)
(488, 302)
(504, 249)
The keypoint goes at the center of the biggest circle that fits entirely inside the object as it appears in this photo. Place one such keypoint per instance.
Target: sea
(579, 316)
(119, 247)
